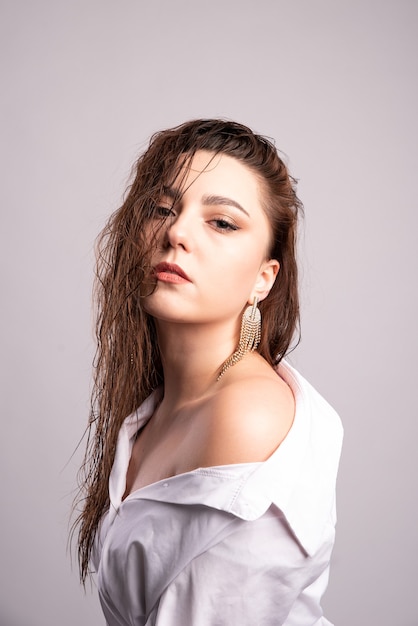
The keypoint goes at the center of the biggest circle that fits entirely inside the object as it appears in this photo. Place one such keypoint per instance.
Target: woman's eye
(224, 225)
(162, 211)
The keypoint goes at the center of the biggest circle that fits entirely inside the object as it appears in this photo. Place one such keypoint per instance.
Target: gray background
(84, 84)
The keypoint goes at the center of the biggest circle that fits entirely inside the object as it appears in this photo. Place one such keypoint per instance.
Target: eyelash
(163, 211)
(223, 225)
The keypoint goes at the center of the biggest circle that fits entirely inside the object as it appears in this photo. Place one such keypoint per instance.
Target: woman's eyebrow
(222, 200)
(171, 192)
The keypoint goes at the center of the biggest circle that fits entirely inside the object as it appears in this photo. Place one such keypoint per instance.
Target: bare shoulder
(248, 417)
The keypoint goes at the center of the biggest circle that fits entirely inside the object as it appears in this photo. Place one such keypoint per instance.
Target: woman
(210, 478)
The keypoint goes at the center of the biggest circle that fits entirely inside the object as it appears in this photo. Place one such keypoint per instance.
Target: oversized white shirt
(246, 544)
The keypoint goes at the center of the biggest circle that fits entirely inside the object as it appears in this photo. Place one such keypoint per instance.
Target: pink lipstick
(170, 273)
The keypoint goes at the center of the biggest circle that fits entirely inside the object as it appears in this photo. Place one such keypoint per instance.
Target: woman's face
(212, 244)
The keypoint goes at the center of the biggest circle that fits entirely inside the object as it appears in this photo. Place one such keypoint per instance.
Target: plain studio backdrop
(84, 85)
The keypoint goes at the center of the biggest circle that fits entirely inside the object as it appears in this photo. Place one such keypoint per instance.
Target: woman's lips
(170, 273)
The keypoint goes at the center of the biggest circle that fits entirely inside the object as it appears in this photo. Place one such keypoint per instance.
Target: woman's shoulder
(249, 415)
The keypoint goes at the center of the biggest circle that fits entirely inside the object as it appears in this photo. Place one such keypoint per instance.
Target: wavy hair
(127, 365)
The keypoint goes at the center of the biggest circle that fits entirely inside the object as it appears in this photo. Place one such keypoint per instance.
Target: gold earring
(249, 338)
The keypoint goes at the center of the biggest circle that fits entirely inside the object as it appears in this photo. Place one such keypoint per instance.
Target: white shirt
(246, 544)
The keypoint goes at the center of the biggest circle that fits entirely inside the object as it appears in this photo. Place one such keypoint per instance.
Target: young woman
(210, 474)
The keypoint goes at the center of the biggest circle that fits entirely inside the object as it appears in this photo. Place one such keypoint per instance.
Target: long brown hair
(127, 365)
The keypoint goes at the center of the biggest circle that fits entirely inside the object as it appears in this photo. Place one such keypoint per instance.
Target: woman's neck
(191, 357)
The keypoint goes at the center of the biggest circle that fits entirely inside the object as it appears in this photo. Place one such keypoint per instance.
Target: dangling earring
(249, 338)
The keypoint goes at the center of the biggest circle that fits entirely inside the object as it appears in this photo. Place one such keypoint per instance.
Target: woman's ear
(265, 279)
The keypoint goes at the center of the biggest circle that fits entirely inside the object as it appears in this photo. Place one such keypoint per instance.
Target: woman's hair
(127, 365)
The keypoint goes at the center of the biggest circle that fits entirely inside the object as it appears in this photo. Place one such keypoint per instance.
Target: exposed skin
(202, 422)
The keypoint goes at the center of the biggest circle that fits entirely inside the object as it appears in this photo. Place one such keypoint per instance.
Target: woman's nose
(179, 231)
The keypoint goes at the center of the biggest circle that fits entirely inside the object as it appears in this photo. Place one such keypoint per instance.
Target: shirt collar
(299, 478)
(126, 437)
